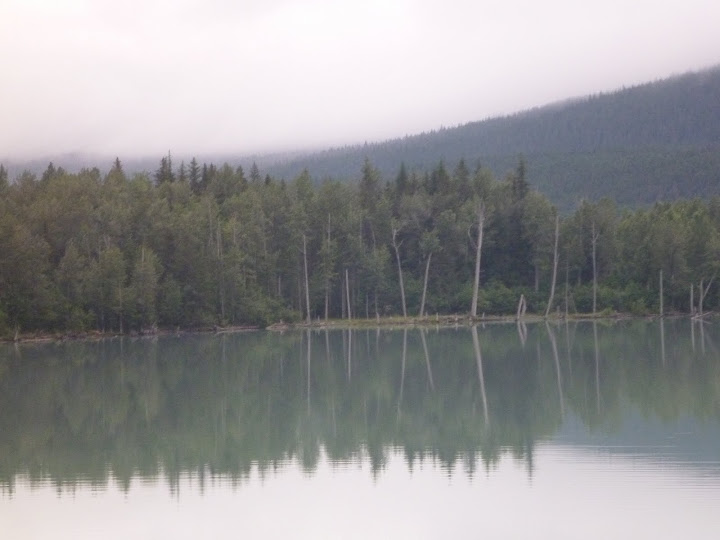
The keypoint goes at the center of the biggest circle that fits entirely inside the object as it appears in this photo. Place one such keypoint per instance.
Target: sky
(144, 77)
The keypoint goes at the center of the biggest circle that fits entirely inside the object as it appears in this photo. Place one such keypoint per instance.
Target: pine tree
(3, 177)
(254, 174)
(49, 173)
(165, 172)
(194, 176)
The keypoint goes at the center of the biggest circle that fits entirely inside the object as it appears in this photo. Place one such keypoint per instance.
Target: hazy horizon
(255, 78)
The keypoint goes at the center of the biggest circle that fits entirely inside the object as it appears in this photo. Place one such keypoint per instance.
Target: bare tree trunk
(555, 265)
(343, 309)
(522, 306)
(701, 297)
(347, 292)
(221, 272)
(327, 300)
(425, 283)
(692, 299)
(567, 277)
(327, 277)
(307, 282)
(480, 212)
(594, 239)
(702, 292)
(120, 312)
(662, 310)
(396, 247)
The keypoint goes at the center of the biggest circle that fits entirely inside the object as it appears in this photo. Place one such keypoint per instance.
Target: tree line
(201, 245)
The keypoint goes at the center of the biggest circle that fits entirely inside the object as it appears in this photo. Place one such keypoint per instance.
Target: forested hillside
(657, 141)
(205, 245)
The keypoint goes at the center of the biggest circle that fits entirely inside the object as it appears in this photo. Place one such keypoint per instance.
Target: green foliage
(496, 298)
(126, 254)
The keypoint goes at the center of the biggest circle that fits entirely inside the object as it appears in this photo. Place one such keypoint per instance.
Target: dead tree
(702, 292)
(594, 239)
(307, 281)
(480, 215)
(522, 307)
(692, 299)
(396, 247)
(555, 265)
(662, 306)
(347, 293)
(327, 273)
(425, 283)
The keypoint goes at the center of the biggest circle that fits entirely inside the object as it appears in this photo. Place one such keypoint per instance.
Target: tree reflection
(227, 405)
(556, 358)
(481, 377)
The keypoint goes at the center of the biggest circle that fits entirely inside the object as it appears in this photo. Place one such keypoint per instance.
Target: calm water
(548, 431)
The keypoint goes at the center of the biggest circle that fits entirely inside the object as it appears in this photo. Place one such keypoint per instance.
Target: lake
(577, 430)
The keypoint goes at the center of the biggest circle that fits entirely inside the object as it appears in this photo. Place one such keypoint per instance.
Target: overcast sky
(141, 77)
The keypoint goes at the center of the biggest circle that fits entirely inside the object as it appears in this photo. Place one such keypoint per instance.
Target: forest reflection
(225, 405)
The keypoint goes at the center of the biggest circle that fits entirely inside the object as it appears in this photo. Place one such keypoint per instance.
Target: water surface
(592, 430)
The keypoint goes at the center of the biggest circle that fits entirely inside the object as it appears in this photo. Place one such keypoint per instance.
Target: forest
(198, 246)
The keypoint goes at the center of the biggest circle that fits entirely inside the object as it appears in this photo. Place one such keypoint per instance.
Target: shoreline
(381, 322)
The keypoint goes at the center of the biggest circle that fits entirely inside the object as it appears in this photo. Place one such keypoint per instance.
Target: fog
(143, 77)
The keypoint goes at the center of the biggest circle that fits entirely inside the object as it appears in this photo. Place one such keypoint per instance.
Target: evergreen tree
(3, 177)
(194, 176)
(50, 173)
(254, 174)
(165, 173)
(182, 173)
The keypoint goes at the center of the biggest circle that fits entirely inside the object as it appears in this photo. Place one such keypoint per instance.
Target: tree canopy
(208, 247)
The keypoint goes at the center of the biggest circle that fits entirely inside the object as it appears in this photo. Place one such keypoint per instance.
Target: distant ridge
(655, 141)
(651, 142)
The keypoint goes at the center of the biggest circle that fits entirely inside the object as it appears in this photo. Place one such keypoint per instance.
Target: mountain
(656, 141)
